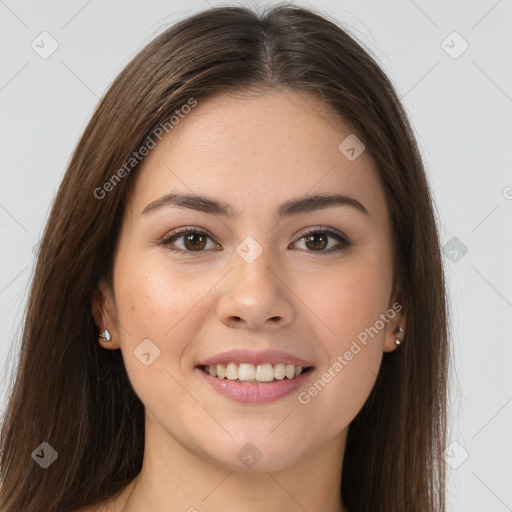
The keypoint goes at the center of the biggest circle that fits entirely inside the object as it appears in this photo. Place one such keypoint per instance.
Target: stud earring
(105, 335)
(397, 341)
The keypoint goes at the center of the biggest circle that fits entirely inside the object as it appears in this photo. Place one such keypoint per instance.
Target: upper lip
(252, 357)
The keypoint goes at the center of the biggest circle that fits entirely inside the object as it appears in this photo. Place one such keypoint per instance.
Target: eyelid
(344, 241)
(323, 229)
(179, 232)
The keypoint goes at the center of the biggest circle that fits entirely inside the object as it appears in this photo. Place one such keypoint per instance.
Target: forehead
(253, 150)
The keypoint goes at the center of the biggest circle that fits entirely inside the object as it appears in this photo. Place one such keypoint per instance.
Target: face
(314, 284)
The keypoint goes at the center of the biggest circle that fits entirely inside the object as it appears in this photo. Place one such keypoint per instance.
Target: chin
(255, 454)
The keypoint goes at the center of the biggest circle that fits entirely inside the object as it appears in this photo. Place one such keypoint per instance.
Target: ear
(103, 311)
(396, 321)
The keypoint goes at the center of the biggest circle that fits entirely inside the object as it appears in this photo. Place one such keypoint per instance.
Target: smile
(248, 383)
(254, 374)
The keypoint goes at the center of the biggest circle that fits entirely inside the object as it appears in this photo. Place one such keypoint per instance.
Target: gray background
(461, 111)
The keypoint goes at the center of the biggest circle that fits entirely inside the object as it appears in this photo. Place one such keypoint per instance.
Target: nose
(255, 295)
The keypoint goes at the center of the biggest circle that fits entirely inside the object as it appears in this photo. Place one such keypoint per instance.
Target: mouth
(254, 374)
(254, 383)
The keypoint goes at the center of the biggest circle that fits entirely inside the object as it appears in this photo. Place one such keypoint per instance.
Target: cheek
(155, 298)
(349, 300)
(350, 305)
(154, 305)
(158, 316)
(353, 350)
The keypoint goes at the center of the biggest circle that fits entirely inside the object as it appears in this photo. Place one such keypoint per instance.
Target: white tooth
(265, 372)
(249, 372)
(246, 371)
(221, 372)
(290, 371)
(232, 371)
(279, 371)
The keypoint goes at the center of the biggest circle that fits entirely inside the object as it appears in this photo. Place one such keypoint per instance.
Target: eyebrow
(292, 207)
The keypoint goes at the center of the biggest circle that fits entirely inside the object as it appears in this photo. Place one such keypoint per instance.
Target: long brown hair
(77, 397)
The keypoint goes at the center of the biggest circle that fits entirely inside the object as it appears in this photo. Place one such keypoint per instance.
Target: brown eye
(194, 240)
(316, 240)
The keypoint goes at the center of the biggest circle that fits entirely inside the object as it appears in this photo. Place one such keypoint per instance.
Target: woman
(239, 300)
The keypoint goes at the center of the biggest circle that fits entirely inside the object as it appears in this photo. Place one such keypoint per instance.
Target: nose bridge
(254, 292)
(253, 261)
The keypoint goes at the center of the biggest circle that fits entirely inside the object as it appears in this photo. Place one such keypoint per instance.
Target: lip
(249, 356)
(255, 393)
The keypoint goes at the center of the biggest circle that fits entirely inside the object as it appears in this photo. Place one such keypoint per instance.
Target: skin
(254, 152)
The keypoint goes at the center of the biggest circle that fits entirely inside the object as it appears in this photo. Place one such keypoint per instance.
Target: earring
(105, 335)
(397, 341)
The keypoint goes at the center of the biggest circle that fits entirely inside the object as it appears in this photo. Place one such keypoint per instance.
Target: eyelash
(175, 235)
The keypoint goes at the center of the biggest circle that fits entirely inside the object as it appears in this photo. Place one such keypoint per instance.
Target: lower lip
(255, 393)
